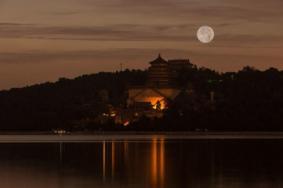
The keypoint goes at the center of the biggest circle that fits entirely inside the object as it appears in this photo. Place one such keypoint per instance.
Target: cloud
(249, 41)
(126, 54)
(132, 32)
(43, 40)
(94, 55)
(249, 10)
(123, 32)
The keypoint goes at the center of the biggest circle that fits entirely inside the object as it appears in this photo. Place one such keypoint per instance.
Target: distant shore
(41, 137)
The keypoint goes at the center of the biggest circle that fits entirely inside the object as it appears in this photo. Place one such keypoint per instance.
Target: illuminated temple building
(159, 88)
(151, 98)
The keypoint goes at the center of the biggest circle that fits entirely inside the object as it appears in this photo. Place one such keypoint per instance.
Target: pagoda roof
(176, 61)
(159, 60)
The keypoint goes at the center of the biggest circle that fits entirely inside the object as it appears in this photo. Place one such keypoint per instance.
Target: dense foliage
(247, 100)
(59, 105)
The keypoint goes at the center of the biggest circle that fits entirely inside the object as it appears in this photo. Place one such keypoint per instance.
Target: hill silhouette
(247, 100)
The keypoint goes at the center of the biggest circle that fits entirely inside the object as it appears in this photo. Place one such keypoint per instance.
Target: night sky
(42, 40)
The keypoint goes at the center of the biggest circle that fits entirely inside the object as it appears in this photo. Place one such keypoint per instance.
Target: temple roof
(159, 60)
(179, 61)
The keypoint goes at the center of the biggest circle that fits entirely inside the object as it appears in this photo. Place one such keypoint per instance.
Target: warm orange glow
(158, 163)
(154, 102)
(104, 159)
(162, 162)
(113, 158)
(154, 158)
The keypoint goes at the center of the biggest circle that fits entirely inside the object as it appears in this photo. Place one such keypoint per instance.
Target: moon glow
(205, 34)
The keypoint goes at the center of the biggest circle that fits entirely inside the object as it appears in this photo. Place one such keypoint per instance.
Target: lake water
(155, 163)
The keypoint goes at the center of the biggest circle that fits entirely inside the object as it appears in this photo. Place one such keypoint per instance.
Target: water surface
(155, 163)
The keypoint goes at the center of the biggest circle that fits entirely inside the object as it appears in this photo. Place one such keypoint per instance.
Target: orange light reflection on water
(154, 168)
(157, 163)
(104, 160)
(113, 159)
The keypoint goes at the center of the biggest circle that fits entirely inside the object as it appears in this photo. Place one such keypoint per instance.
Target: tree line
(246, 100)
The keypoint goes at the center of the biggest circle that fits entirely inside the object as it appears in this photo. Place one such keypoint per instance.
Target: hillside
(247, 100)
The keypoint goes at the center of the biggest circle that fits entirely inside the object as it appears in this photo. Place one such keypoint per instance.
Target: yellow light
(155, 100)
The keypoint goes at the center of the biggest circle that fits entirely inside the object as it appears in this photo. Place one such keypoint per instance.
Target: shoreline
(137, 137)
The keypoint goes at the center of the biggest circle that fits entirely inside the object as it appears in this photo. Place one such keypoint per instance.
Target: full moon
(205, 34)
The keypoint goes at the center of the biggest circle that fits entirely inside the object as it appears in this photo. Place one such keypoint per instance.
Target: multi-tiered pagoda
(159, 88)
(159, 74)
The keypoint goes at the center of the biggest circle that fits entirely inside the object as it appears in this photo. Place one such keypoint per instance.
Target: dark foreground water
(146, 164)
